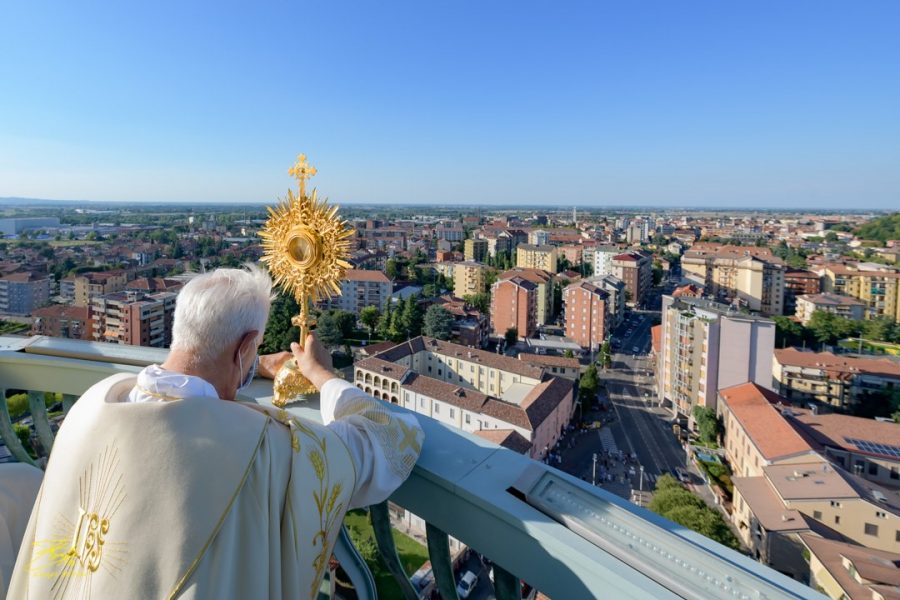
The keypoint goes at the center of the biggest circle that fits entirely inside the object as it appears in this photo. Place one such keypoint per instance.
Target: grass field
(412, 555)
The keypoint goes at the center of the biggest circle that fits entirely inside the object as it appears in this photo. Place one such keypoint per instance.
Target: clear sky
(726, 103)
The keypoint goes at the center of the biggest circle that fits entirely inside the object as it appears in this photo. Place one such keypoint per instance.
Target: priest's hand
(270, 364)
(314, 361)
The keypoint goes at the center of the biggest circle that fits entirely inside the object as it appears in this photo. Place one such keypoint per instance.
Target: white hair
(215, 309)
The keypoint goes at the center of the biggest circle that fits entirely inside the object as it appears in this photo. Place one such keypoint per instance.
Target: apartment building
(498, 243)
(468, 278)
(543, 281)
(867, 448)
(62, 321)
(475, 250)
(750, 276)
(470, 326)
(799, 282)
(603, 258)
(514, 305)
(133, 318)
(89, 285)
(530, 256)
(636, 270)
(362, 288)
(615, 306)
(843, 306)
(560, 366)
(878, 286)
(839, 380)
(587, 320)
(756, 433)
(472, 390)
(705, 347)
(772, 511)
(842, 570)
(539, 237)
(21, 293)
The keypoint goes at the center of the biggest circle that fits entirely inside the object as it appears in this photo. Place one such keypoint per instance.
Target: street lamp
(642, 485)
(594, 475)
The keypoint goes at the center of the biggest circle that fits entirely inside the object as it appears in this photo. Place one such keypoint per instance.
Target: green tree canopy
(511, 336)
(708, 424)
(438, 322)
(369, 317)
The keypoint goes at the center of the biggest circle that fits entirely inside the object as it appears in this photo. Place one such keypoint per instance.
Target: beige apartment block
(475, 249)
(89, 285)
(636, 270)
(842, 306)
(468, 278)
(842, 570)
(838, 380)
(878, 286)
(749, 276)
(530, 256)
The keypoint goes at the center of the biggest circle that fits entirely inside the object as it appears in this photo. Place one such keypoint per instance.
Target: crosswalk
(607, 441)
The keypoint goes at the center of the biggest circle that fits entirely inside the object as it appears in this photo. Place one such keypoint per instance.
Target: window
(429, 368)
(468, 418)
(452, 412)
(881, 514)
(437, 408)
(837, 520)
(835, 504)
(897, 536)
(873, 468)
(895, 474)
(871, 529)
(817, 514)
(440, 372)
(422, 402)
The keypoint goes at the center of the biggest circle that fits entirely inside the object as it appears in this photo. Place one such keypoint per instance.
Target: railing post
(41, 421)
(355, 566)
(441, 565)
(67, 401)
(9, 434)
(506, 585)
(380, 519)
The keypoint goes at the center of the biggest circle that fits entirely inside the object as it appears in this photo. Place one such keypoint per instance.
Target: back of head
(215, 309)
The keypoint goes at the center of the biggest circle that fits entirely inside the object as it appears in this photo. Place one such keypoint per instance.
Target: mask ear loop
(240, 370)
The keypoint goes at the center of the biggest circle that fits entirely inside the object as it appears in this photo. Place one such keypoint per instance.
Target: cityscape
(737, 372)
(605, 300)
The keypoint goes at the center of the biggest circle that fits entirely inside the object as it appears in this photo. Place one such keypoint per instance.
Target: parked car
(683, 476)
(467, 584)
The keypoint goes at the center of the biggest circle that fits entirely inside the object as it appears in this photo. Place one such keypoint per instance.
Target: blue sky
(730, 104)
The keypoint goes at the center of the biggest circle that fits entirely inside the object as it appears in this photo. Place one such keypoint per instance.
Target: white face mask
(250, 374)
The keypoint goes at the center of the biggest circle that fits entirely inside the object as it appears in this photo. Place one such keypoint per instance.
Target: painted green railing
(560, 535)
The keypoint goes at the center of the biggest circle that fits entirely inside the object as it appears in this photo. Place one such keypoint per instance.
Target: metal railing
(564, 537)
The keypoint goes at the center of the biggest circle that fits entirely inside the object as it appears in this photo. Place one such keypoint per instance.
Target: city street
(633, 424)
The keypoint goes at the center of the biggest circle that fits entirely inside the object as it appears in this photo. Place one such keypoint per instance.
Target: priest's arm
(384, 443)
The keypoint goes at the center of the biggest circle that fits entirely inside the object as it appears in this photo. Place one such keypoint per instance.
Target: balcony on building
(560, 535)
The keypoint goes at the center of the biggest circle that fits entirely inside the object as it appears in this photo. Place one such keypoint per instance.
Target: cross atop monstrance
(301, 171)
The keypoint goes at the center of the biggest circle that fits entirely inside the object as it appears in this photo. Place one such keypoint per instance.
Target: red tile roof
(754, 408)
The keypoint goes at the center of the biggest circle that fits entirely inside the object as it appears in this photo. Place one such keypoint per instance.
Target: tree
(480, 301)
(429, 290)
(605, 355)
(788, 332)
(369, 317)
(568, 354)
(411, 316)
(345, 320)
(279, 330)
(392, 269)
(828, 327)
(438, 322)
(708, 424)
(677, 504)
(589, 384)
(511, 336)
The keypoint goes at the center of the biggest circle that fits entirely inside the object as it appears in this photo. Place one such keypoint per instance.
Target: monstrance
(306, 246)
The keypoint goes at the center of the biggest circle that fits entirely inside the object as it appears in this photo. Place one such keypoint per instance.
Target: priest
(160, 485)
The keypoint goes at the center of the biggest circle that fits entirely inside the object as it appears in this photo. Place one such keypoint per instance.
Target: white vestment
(195, 497)
(19, 485)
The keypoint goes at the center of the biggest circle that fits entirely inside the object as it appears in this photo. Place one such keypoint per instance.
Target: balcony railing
(564, 537)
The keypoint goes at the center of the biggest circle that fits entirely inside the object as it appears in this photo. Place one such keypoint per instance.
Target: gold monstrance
(306, 246)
